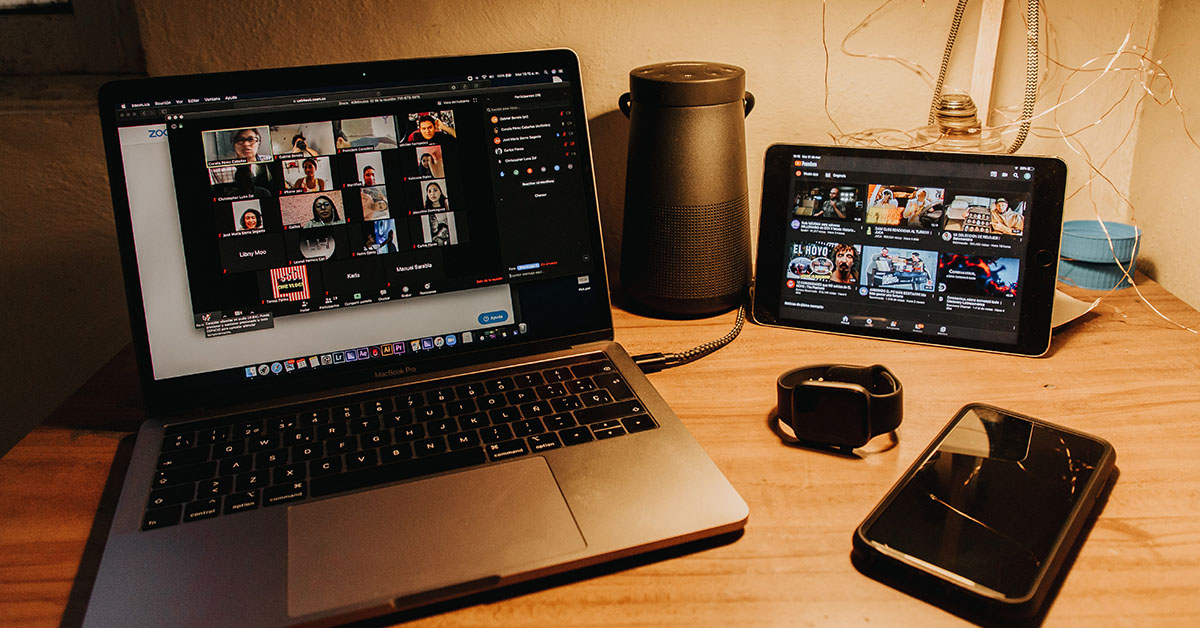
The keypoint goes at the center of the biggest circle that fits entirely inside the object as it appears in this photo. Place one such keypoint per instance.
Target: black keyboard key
(410, 401)
(384, 474)
(300, 453)
(439, 396)
(430, 446)
(361, 460)
(638, 423)
(313, 417)
(214, 487)
(346, 412)
(296, 437)
(543, 442)
(607, 429)
(325, 466)
(161, 517)
(395, 453)
(233, 466)
(229, 449)
(535, 409)
(172, 495)
(525, 427)
(575, 435)
(331, 430)
(213, 436)
(550, 391)
(528, 380)
(289, 473)
(182, 457)
(580, 385)
(263, 443)
(474, 421)
(248, 429)
(338, 446)
(281, 424)
(378, 406)
(375, 440)
(202, 509)
(506, 449)
(267, 459)
(566, 404)
(180, 475)
(365, 424)
(596, 398)
(495, 433)
(592, 368)
(470, 391)
(503, 415)
(560, 374)
(397, 418)
(179, 441)
(237, 502)
(491, 402)
(518, 397)
(284, 493)
(614, 384)
(462, 440)
(560, 421)
(252, 480)
(431, 413)
(614, 411)
(460, 407)
(500, 385)
(441, 427)
(410, 432)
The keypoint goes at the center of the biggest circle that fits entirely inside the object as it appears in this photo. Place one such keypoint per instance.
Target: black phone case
(953, 596)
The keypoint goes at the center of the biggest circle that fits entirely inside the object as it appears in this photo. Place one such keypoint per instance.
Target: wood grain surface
(1121, 373)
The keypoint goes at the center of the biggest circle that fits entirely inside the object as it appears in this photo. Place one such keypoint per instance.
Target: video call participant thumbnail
(254, 252)
(318, 209)
(378, 237)
(296, 283)
(360, 276)
(440, 229)
(374, 203)
(376, 133)
(429, 162)
(310, 139)
(244, 181)
(436, 127)
(414, 269)
(433, 195)
(233, 146)
(369, 168)
(311, 174)
(247, 215)
(310, 246)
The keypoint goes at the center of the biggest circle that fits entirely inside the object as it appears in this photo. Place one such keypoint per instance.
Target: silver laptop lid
(298, 229)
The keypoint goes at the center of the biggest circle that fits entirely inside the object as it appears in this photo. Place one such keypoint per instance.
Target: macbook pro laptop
(372, 325)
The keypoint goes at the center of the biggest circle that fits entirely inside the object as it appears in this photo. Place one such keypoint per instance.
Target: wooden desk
(1121, 373)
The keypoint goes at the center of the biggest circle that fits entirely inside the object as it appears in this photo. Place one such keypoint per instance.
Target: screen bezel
(1044, 227)
(213, 391)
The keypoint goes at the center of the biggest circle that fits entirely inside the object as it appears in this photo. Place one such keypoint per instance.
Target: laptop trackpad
(414, 538)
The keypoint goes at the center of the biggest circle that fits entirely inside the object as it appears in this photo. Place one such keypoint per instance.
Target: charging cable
(655, 362)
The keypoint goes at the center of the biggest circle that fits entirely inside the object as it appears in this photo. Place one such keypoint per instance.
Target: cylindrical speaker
(686, 238)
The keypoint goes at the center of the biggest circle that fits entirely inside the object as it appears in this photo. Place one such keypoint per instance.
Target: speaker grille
(698, 251)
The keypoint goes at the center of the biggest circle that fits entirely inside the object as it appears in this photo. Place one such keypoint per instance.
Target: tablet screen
(955, 249)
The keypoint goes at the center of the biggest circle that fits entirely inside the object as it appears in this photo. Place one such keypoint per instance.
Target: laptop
(372, 325)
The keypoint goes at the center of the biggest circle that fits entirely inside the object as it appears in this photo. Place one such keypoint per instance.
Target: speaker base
(666, 307)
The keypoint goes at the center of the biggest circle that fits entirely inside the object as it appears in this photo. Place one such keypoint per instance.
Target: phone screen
(991, 501)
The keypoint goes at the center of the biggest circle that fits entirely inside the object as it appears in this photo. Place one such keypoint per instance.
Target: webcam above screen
(953, 249)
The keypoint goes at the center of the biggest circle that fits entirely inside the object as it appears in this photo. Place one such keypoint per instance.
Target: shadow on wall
(610, 138)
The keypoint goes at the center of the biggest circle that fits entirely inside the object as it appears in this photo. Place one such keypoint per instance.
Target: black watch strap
(871, 390)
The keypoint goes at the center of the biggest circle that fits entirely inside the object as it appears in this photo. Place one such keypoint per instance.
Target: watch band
(840, 405)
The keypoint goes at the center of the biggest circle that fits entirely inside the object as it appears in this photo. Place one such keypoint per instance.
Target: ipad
(953, 249)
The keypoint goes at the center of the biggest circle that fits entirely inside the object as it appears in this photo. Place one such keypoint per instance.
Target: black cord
(655, 362)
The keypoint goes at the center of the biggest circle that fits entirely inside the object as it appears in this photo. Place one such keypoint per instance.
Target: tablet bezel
(1043, 228)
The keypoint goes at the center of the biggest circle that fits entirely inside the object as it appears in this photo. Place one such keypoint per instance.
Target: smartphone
(984, 520)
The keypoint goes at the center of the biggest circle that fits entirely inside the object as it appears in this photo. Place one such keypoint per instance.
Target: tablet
(954, 249)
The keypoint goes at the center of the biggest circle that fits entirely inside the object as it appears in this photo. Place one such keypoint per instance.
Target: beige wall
(62, 335)
(1165, 188)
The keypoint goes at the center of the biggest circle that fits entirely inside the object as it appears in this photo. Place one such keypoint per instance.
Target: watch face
(832, 413)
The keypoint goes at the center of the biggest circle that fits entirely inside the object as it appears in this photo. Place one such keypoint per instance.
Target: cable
(655, 362)
(1031, 71)
(941, 79)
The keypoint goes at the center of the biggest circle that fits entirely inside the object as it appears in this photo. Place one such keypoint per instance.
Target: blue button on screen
(488, 318)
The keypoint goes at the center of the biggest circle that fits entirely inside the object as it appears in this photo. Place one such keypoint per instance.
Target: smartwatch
(840, 405)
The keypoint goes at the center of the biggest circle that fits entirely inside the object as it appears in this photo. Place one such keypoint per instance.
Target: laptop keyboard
(222, 467)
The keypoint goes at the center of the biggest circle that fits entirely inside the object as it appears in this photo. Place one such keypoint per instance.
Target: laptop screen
(354, 222)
